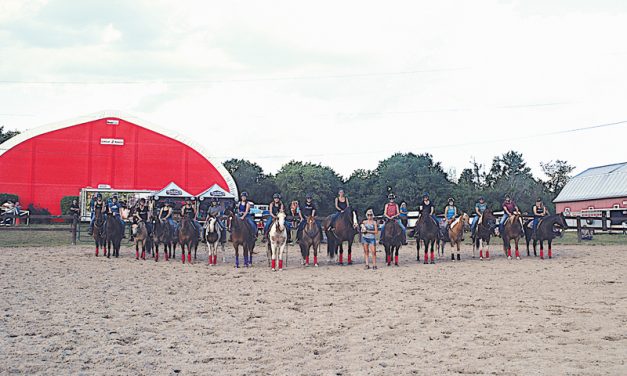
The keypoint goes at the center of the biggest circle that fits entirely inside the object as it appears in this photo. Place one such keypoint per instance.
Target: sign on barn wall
(112, 141)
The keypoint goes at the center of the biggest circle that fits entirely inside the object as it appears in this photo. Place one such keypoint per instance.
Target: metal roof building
(603, 187)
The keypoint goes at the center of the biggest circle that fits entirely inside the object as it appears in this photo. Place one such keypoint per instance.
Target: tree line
(408, 176)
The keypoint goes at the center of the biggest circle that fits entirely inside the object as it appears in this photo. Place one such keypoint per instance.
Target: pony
(162, 234)
(241, 235)
(98, 231)
(187, 238)
(544, 232)
(344, 230)
(277, 244)
(212, 237)
(140, 236)
(512, 230)
(114, 233)
(483, 233)
(311, 237)
(427, 231)
(456, 234)
(392, 239)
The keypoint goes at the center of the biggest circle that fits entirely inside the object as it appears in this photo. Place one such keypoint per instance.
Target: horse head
(281, 221)
(466, 221)
(211, 224)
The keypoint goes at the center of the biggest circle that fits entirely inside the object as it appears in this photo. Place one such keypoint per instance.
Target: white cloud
(110, 34)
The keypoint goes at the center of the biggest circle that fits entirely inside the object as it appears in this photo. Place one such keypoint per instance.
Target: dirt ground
(64, 311)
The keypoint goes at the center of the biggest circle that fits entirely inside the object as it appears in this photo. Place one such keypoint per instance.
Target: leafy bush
(4, 197)
(35, 210)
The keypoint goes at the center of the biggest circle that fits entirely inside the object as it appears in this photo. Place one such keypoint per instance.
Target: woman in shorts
(369, 231)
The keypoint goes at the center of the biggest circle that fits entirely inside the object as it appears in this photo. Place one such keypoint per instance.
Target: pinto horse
(241, 235)
(344, 230)
(544, 232)
(392, 240)
(277, 244)
(513, 230)
(188, 238)
(98, 231)
(162, 234)
(114, 233)
(140, 234)
(427, 231)
(483, 233)
(212, 236)
(456, 234)
(311, 237)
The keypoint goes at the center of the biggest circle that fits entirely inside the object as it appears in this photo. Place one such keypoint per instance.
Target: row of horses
(428, 232)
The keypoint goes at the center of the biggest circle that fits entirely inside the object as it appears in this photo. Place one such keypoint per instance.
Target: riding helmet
(481, 198)
(276, 195)
(425, 195)
(451, 199)
(99, 195)
(309, 196)
(391, 196)
(244, 194)
(507, 196)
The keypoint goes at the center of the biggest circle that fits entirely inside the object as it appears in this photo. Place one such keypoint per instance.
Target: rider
(243, 209)
(216, 212)
(189, 211)
(308, 210)
(114, 209)
(166, 212)
(141, 214)
(539, 211)
(509, 208)
(95, 204)
(480, 207)
(275, 207)
(427, 208)
(341, 203)
(450, 212)
(392, 212)
(404, 212)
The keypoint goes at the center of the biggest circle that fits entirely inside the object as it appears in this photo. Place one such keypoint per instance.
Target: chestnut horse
(513, 230)
(311, 237)
(456, 234)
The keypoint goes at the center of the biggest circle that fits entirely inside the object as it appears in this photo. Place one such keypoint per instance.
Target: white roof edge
(34, 132)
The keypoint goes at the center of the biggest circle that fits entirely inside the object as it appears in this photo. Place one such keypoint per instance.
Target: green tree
(250, 178)
(5, 135)
(507, 165)
(296, 179)
(558, 174)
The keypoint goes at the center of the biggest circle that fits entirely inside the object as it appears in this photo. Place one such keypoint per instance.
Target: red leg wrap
(307, 260)
(273, 264)
(349, 258)
(541, 254)
(509, 252)
(481, 253)
(280, 264)
(341, 258)
(550, 253)
(183, 257)
(189, 257)
(517, 253)
(315, 260)
(396, 260)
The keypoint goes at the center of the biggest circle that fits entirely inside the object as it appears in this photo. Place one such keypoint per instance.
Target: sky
(341, 83)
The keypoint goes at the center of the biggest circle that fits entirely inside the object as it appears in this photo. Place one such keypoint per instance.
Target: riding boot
(280, 264)
(273, 264)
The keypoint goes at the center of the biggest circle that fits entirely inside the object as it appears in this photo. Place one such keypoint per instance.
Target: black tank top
(540, 210)
(98, 206)
(190, 212)
(342, 205)
(143, 213)
(276, 207)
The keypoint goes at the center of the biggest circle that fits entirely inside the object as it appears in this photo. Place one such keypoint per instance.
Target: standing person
(275, 207)
(215, 211)
(189, 211)
(96, 204)
(404, 213)
(509, 208)
(341, 204)
(539, 211)
(392, 212)
(480, 207)
(75, 211)
(369, 231)
(308, 210)
(243, 210)
(450, 212)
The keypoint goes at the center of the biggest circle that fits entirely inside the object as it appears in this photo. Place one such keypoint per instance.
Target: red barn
(45, 164)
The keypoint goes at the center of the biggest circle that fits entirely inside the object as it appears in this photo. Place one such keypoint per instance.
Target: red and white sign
(112, 141)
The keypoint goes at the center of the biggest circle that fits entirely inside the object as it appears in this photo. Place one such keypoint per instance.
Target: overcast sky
(342, 83)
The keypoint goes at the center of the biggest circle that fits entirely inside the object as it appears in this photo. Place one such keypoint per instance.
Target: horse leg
(516, 240)
(541, 249)
(433, 252)
(350, 253)
(281, 255)
(550, 250)
(418, 250)
(143, 250)
(97, 249)
(272, 256)
(236, 246)
(426, 244)
(136, 251)
(340, 251)
(269, 254)
(396, 255)
(189, 251)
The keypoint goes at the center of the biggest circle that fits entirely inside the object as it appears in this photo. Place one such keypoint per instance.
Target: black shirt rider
(307, 209)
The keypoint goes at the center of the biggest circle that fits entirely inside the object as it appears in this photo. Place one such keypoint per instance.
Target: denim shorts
(369, 241)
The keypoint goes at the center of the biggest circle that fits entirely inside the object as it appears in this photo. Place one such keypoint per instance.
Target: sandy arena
(66, 312)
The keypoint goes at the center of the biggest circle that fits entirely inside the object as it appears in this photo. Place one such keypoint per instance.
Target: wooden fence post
(74, 226)
(604, 219)
(578, 229)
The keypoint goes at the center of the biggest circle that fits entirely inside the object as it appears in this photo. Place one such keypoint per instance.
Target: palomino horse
(140, 234)
(392, 239)
(212, 236)
(311, 237)
(456, 234)
(483, 233)
(427, 231)
(114, 233)
(513, 230)
(344, 230)
(162, 234)
(277, 244)
(188, 238)
(242, 235)
(98, 231)
(545, 231)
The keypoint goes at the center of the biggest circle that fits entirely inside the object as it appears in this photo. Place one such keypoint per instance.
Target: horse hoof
(509, 257)
(273, 269)
(517, 258)
(396, 263)
(480, 258)
(432, 262)
(349, 263)
(316, 265)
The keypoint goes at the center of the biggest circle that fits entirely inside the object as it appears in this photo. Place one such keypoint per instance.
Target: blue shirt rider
(243, 209)
(308, 209)
(450, 212)
(96, 204)
(166, 213)
(480, 207)
(114, 209)
(393, 212)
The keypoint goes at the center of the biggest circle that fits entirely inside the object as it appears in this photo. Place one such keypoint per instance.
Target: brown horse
(162, 234)
(310, 238)
(392, 240)
(140, 234)
(483, 233)
(456, 234)
(241, 235)
(187, 238)
(344, 230)
(513, 230)
(97, 231)
(427, 230)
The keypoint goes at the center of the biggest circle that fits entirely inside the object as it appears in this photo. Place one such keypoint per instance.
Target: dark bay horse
(187, 238)
(544, 232)
(162, 234)
(513, 230)
(98, 231)
(344, 231)
(392, 239)
(311, 237)
(241, 235)
(483, 233)
(114, 233)
(427, 231)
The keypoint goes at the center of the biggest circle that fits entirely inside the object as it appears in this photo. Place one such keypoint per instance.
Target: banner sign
(112, 141)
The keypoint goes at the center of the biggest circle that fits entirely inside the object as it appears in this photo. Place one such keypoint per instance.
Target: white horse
(278, 240)
(212, 235)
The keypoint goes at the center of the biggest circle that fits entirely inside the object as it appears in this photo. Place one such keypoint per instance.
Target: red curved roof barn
(45, 164)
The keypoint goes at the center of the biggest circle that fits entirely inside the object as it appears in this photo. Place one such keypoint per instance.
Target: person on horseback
(539, 211)
(114, 210)
(275, 207)
(341, 204)
(215, 211)
(404, 212)
(369, 230)
(243, 209)
(166, 213)
(450, 212)
(427, 207)
(392, 212)
(189, 211)
(141, 215)
(509, 208)
(480, 207)
(308, 210)
(96, 204)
